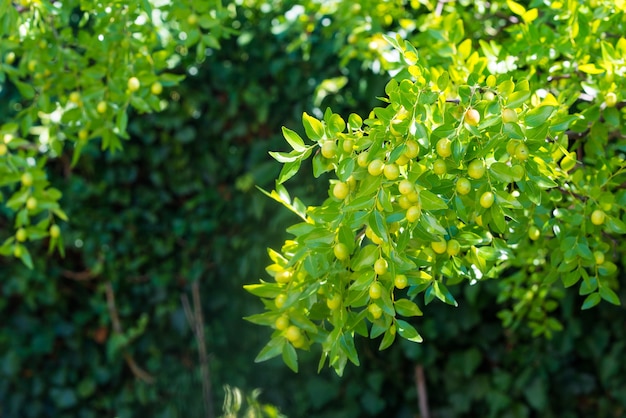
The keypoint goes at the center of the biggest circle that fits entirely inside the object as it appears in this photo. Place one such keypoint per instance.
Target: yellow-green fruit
(439, 246)
(375, 290)
(391, 171)
(133, 84)
(521, 152)
(299, 343)
(518, 172)
(293, 333)
(476, 169)
(439, 167)
(341, 251)
(402, 160)
(341, 190)
(21, 235)
(361, 160)
(412, 149)
(31, 203)
(400, 281)
(55, 231)
(351, 182)
(509, 116)
(32, 65)
(413, 214)
(10, 58)
(101, 107)
(511, 146)
(598, 256)
(280, 300)
(597, 217)
(75, 97)
(569, 161)
(192, 19)
(610, 99)
(282, 322)
(156, 88)
(405, 187)
(283, 276)
(376, 167)
(534, 233)
(453, 248)
(372, 236)
(83, 135)
(334, 302)
(375, 310)
(329, 149)
(414, 196)
(380, 266)
(472, 117)
(489, 96)
(18, 251)
(3, 149)
(463, 186)
(27, 179)
(487, 199)
(404, 202)
(444, 147)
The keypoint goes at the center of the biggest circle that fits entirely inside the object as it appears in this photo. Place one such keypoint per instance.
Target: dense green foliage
(178, 206)
(481, 149)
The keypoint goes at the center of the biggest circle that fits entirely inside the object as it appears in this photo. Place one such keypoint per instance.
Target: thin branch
(196, 322)
(78, 275)
(117, 328)
(439, 9)
(422, 396)
(187, 309)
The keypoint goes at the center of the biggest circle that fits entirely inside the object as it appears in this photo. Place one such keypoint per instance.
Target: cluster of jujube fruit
(413, 233)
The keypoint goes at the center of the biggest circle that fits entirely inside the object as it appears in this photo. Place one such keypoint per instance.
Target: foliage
(481, 149)
(78, 68)
(178, 206)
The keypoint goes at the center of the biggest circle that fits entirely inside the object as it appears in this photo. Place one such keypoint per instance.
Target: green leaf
(288, 171)
(271, 349)
(443, 294)
(347, 343)
(515, 7)
(265, 318)
(443, 80)
(407, 308)
(284, 157)
(264, 290)
(501, 172)
(407, 331)
(517, 98)
(591, 301)
(538, 116)
(290, 357)
(430, 201)
(294, 140)
(387, 340)
(609, 295)
(365, 258)
(313, 127)
(355, 122)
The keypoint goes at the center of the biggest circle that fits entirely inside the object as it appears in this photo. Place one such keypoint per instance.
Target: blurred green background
(179, 205)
